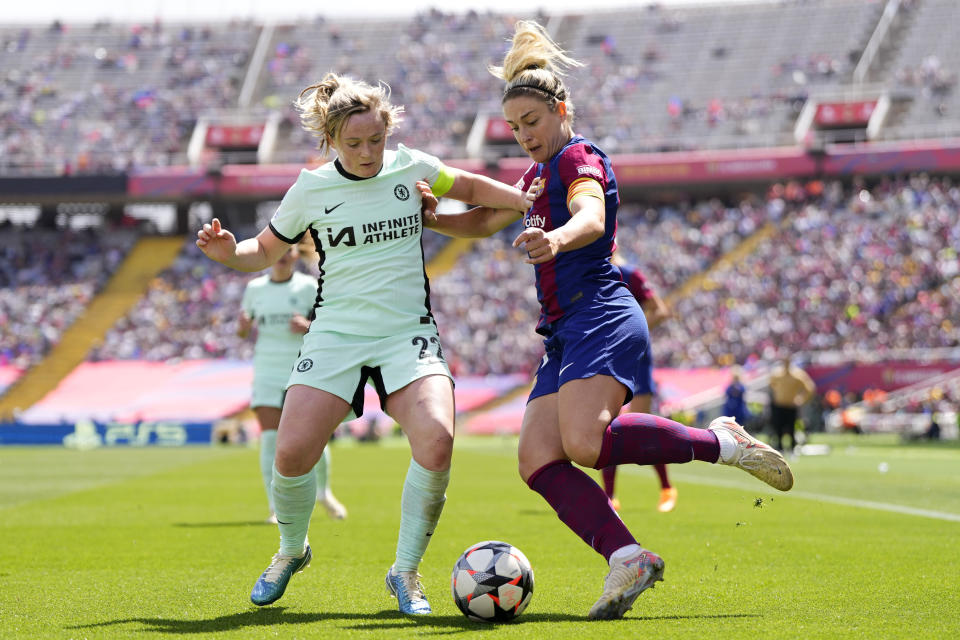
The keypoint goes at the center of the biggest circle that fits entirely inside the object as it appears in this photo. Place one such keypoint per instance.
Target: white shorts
(341, 363)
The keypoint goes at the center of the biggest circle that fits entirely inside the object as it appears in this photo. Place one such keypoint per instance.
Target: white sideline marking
(820, 497)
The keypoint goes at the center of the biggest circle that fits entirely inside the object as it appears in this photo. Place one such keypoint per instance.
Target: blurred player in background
(372, 317)
(595, 332)
(790, 388)
(656, 311)
(278, 304)
(735, 398)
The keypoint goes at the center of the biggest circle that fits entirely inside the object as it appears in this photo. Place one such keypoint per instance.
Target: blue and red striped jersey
(583, 275)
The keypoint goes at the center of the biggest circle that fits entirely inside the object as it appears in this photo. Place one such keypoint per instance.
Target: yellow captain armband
(444, 181)
(584, 187)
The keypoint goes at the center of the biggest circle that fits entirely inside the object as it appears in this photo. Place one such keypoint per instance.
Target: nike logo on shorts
(563, 368)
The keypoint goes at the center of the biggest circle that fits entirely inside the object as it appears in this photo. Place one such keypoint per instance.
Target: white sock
(623, 552)
(728, 444)
(420, 506)
(268, 449)
(322, 469)
(294, 499)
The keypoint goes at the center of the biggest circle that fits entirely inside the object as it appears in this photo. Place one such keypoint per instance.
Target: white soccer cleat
(334, 508)
(753, 456)
(628, 578)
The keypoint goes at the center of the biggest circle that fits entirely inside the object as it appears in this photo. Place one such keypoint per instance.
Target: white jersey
(273, 305)
(367, 231)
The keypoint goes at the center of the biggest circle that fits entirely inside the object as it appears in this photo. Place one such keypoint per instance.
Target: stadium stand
(104, 97)
(110, 97)
(926, 66)
(832, 278)
(190, 311)
(828, 262)
(47, 278)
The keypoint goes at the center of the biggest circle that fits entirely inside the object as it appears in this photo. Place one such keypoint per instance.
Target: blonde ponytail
(534, 66)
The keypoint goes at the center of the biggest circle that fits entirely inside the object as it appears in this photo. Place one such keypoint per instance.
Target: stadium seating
(46, 280)
(833, 278)
(190, 312)
(926, 66)
(106, 97)
(842, 266)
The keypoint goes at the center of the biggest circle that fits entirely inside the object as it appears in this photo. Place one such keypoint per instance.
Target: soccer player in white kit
(279, 304)
(372, 317)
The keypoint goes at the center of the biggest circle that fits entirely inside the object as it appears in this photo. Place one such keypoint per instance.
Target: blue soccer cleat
(273, 581)
(406, 588)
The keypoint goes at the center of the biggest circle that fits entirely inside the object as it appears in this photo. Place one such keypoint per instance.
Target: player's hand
(532, 193)
(429, 203)
(216, 242)
(540, 246)
(299, 324)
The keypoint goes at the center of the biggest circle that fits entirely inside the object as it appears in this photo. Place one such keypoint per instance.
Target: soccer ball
(492, 582)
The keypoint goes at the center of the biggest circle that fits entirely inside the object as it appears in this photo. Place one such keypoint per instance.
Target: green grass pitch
(160, 543)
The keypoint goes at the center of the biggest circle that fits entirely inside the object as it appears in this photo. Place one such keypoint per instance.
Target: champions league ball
(492, 582)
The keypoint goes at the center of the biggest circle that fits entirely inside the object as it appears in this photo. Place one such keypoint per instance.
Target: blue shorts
(645, 383)
(612, 340)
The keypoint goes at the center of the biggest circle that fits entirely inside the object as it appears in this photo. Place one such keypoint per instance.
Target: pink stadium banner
(881, 158)
(685, 167)
(8, 375)
(171, 182)
(887, 375)
(638, 170)
(194, 391)
(268, 180)
(134, 391)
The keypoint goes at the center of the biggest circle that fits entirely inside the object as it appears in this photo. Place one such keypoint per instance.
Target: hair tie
(531, 86)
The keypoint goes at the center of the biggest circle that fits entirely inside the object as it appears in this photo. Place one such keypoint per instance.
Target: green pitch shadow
(382, 620)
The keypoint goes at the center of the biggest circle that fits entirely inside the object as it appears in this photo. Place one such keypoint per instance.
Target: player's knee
(582, 448)
(433, 450)
(291, 462)
(526, 466)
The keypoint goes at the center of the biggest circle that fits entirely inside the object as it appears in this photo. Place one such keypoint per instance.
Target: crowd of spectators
(106, 98)
(190, 311)
(110, 97)
(438, 71)
(845, 272)
(486, 309)
(840, 267)
(47, 278)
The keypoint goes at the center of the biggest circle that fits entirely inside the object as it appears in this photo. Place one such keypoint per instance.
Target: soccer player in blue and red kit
(656, 311)
(595, 333)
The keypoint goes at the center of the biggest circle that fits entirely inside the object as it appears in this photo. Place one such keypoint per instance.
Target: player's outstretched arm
(478, 222)
(252, 254)
(473, 188)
